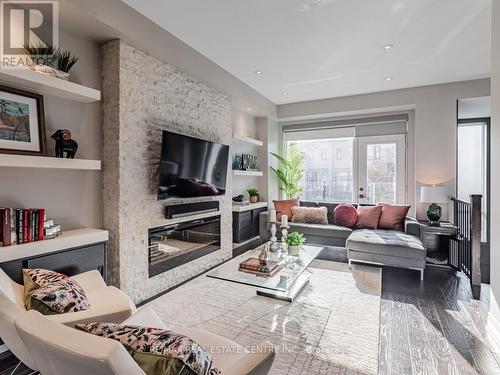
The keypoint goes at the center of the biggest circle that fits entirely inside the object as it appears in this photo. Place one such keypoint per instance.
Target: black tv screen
(191, 167)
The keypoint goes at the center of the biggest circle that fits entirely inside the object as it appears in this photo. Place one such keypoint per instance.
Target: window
(326, 180)
(472, 164)
(355, 160)
(339, 154)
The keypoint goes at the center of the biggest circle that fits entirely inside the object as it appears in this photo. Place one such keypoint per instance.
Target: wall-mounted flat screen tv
(191, 167)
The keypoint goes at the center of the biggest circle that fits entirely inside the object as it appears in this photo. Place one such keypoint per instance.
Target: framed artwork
(22, 122)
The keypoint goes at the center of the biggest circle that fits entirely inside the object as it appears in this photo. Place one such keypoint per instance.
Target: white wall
(72, 198)
(493, 328)
(435, 109)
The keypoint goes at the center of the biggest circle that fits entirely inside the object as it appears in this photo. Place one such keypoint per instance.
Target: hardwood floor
(434, 326)
(430, 327)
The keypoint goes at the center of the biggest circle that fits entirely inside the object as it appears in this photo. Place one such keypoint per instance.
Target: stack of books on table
(259, 267)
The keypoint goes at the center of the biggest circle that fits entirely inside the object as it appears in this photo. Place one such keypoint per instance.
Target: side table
(431, 235)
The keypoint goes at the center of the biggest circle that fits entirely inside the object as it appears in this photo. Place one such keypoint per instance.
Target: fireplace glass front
(173, 245)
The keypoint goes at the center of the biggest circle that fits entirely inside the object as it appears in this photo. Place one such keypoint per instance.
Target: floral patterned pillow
(52, 293)
(157, 351)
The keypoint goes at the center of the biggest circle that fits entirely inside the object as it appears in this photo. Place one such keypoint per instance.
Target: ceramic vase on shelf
(254, 198)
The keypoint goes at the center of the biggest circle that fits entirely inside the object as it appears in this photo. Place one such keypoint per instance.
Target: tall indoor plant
(291, 171)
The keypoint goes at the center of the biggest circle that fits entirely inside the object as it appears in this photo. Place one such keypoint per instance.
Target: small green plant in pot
(294, 241)
(254, 195)
(50, 60)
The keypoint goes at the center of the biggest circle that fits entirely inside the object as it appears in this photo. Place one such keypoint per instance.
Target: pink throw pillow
(284, 207)
(393, 216)
(345, 215)
(311, 215)
(368, 217)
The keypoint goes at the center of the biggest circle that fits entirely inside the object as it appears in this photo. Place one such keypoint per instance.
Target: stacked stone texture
(141, 97)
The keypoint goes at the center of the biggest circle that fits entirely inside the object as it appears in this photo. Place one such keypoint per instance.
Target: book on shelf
(24, 225)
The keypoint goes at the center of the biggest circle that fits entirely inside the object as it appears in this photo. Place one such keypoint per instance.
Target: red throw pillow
(284, 207)
(345, 215)
(368, 217)
(393, 216)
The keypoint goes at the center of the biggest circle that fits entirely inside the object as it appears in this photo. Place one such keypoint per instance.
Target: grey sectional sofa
(383, 247)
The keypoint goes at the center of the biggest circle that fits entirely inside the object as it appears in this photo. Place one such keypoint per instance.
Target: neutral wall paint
(435, 124)
(493, 329)
(72, 198)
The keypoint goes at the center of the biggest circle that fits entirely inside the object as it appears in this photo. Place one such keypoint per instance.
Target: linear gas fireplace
(173, 245)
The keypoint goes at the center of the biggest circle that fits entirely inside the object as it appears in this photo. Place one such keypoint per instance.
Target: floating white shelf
(248, 173)
(68, 240)
(248, 140)
(44, 84)
(248, 207)
(26, 161)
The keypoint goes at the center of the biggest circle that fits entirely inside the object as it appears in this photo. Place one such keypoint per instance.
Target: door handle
(362, 196)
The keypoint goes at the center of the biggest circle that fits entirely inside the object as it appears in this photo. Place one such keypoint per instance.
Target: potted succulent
(254, 195)
(50, 60)
(294, 241)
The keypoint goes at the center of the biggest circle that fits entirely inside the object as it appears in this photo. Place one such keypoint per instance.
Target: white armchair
(59, 350)
(107, 304)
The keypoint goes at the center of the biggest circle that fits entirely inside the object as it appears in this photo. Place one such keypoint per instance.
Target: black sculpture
(64, 143)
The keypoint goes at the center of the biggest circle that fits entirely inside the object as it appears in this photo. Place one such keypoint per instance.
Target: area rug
(331, 328)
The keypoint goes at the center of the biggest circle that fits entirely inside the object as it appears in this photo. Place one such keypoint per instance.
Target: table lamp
(434, 195)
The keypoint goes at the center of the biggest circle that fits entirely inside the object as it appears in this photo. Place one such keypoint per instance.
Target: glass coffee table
(285, 285)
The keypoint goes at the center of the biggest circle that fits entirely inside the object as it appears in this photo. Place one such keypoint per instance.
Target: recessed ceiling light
(284, 93)
(387, 47)
(388, 78)
(249, 109)
(258, 72)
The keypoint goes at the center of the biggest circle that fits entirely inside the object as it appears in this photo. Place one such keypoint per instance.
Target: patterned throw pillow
(51, 292)
(157, 351)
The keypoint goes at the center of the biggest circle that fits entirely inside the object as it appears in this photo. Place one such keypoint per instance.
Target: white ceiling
(315, 49)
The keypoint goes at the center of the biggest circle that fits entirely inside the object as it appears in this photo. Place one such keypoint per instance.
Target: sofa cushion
(345, 215)
(393, 216)
(386, 242)
(313, 215)
(284, 207)
(157, 350)
(321, 230)
(368, 217)
(50, 292)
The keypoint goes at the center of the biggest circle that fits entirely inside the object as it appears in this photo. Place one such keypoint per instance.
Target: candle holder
(284, 232)
(274, 240)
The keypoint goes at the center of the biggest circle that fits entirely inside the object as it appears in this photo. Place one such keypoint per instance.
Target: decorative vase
(434, 214)
(254, 198)
(294, 250)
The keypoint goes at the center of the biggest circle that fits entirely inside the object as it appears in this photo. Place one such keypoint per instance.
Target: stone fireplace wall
(141, 97)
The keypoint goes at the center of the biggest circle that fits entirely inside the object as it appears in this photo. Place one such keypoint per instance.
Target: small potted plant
(294, 241)
(254, 195)
(50, 60)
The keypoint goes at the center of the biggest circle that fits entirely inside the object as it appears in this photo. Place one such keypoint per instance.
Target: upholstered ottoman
(386, 247)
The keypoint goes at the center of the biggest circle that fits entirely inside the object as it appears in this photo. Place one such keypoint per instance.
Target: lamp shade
(433, 194)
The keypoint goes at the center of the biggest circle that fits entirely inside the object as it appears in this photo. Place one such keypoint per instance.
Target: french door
(365, 170)
(381, 169)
